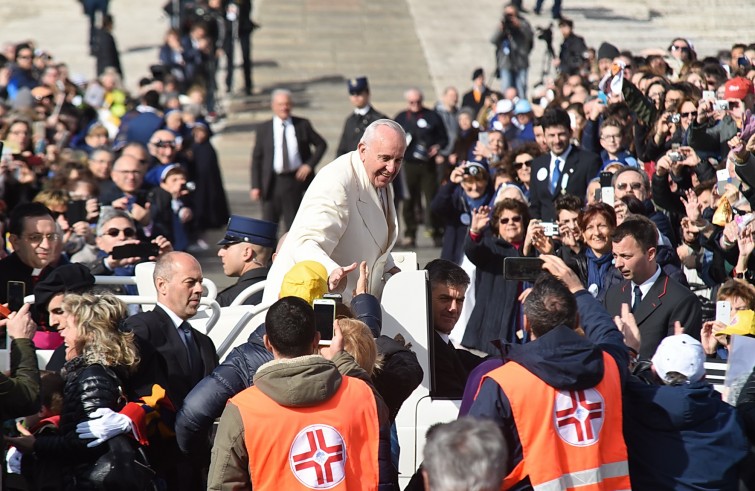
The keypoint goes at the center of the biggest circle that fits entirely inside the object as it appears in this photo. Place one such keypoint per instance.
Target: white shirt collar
(177, 321)
(645, 287)
(277, 121)
(362, 111)
(444, 337)
(563, 156)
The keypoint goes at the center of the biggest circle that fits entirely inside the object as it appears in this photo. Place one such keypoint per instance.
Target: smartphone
(723, 312)
(16, 293)
(484, 138)
(325, 314)
(522, 268)
(337, 297)
(606, 188)
(76, 211)
(709, 95)
(144, 250)
(722, 177)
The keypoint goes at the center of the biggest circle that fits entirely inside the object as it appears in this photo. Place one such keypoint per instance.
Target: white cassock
(340, 221)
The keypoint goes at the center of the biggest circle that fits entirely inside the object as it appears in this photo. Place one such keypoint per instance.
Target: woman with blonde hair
(99, 359)
(359, 343)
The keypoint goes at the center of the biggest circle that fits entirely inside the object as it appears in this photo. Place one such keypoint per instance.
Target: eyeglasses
(36, 239)
(610, 137)
(40, 99)
(414, 102)
(526, 163)
(514, 219)
(635, 186)
(164, 144)
(683, 49)
(691, 114)
(115, 232)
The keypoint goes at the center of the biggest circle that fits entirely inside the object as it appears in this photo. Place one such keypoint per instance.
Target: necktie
(637, 298)
(383, 201)
(556, 177)
(284, 150)
(192, 352)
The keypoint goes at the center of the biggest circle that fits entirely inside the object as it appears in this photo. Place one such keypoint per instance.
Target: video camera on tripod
(546, 34)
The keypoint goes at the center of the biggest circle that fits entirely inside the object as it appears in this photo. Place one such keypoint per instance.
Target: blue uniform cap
(251, 230)
(357, 85)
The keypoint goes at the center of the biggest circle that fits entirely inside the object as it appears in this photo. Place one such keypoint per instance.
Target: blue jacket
(681, 437)
(562, 359)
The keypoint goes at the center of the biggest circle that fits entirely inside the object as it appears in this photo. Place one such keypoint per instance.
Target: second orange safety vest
(330, 446)
(571, 439)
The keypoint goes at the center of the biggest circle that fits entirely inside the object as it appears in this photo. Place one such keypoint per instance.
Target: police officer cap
(251, 230)
(358, 85)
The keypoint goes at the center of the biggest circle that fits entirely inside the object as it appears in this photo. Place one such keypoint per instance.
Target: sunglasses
(164, 144)
(526, 163)
(635, 186)
(691, 114)
(514, 219)
(115, 232)
(679, 48)
(45, 97)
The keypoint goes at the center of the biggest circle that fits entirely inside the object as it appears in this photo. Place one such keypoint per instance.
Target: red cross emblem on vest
(578, 416)
(318, 457)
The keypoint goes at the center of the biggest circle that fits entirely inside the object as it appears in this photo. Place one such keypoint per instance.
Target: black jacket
(426, 129)
(353, 129)
(572, 54)
(251, 277)
(88, 388)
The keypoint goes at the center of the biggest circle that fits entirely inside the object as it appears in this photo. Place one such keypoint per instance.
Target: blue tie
(637, 298)
(556, 177)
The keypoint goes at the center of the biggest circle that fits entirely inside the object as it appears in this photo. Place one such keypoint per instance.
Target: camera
(676, 156)
(721, 105)
(472, 170)
(420, 153)
(674, 118)
(190, 186)
(545, 33)
(550, 229)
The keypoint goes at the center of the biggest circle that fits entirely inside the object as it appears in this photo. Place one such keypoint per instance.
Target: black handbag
(123, 467)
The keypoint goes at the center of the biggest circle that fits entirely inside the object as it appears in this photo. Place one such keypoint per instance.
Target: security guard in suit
(364, 114)
(246, 251)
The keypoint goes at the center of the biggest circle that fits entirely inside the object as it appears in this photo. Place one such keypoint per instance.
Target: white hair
(278, 92)
(369, 133)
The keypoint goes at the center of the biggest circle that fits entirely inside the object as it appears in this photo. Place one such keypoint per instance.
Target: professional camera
(545, 33)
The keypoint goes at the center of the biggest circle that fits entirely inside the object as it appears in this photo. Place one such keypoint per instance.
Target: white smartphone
(722, 177)
(325, 314)
(723, 312)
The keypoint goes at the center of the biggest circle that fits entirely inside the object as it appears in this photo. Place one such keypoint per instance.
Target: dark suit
(282, 193)
(246, 280)
(353, 129)
(451, 368)
(581, 166)
(157, 329)
(666, 302)
(468, 101)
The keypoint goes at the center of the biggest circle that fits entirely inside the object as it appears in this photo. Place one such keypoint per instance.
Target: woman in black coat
(492, 239)
(99, 358)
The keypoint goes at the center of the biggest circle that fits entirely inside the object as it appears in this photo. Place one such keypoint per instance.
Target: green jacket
(19, 393)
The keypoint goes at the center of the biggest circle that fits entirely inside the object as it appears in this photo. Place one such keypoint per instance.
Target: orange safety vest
(571, 439)
(330, 446)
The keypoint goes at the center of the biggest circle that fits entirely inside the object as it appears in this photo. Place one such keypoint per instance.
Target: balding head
(178, 281)
(127, 174)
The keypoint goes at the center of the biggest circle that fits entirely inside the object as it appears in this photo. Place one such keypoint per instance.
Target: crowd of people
(624, 185)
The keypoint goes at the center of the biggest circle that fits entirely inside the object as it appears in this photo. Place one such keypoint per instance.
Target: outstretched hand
(337, 279)
(627, 324)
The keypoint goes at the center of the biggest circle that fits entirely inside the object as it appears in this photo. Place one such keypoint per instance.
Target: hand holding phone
(325, 315)
(142, 250)
(723, 312)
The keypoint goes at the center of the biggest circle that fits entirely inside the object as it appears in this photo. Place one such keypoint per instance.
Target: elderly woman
(519, 164)
(491, 239)
(99, 359)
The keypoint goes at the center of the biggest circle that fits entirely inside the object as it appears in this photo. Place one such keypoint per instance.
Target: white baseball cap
(504, 106)
(682, 354)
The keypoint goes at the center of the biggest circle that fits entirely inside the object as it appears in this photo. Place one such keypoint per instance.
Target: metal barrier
(209, 288)
(230, 339)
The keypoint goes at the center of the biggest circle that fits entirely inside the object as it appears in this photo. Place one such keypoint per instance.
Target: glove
(103, 425)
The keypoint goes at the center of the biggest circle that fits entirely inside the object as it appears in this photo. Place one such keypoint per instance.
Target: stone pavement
(313, 46)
